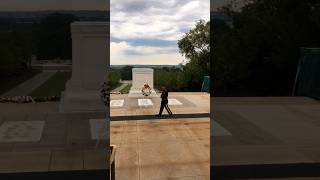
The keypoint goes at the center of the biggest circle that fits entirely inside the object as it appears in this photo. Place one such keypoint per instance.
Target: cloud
(155, 19)
(154, 24)
(124, 53)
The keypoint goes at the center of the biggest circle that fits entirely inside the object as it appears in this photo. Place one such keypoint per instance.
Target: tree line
(49, 38)
(258, 55)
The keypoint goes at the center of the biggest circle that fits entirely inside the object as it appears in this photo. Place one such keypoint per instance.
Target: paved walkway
(174, 148)
(65, 143)
(192, 103)
(266, 137)
(162, 149)
(150, 148)
(30, 85)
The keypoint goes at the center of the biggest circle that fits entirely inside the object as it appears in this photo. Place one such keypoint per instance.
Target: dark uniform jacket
(164, 97)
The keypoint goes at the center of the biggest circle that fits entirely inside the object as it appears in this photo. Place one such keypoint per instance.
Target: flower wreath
(146, 89)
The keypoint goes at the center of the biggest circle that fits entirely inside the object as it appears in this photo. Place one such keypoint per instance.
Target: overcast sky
(38, 5)
(147, 31)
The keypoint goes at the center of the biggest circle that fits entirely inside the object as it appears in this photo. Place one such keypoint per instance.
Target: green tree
(195, 46)
(258, 55)
(16, 49)
(170, 78)
(114, 79)
(126, 73)
(53, 36)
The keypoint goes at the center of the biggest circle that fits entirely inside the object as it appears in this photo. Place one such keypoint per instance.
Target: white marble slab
(174, 102)
(98, 129)
(21, 131)
(140, 76)
(145, 102)
(117, 103)
(218, 130)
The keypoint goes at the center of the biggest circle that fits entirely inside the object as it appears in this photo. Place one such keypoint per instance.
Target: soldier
(164, 102)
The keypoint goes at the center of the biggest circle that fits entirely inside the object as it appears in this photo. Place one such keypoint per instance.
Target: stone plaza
(37, 138)
(260, 137)
(165, 148)
(281, 131)
(75, 141)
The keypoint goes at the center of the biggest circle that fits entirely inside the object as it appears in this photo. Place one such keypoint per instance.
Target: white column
(90, 63)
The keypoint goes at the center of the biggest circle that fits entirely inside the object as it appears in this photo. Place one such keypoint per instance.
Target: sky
(38, 5)
(147, 31)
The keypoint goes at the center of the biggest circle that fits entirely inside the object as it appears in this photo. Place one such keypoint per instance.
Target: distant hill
(32, 16)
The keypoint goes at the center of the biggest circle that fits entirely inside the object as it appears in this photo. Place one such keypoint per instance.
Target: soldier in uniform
(164, 102)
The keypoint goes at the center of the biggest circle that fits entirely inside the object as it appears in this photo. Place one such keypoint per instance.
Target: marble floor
(281, 132)
(37, 138)
(179, 103)
(162, 149)
(154, 149)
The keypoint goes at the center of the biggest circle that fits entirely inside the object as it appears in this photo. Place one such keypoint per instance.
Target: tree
(16, 48)
(170, 78)
(258, 55)
(126, 73)
(195, 46)
(53, 36)
(114, 79)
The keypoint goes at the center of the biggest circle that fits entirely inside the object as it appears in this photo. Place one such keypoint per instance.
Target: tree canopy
(16, 48)
(259, 53)
(53, 36)
(195, 46)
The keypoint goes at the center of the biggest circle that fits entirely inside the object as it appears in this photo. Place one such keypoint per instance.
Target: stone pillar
(90, 64)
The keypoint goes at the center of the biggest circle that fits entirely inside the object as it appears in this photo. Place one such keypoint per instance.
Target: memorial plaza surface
(166, 148)
(274, 136)
(35, 137)
(244, 131)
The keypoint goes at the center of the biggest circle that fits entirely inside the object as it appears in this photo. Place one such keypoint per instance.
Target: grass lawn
(126, 89)
(54, 86)
(7, 83)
